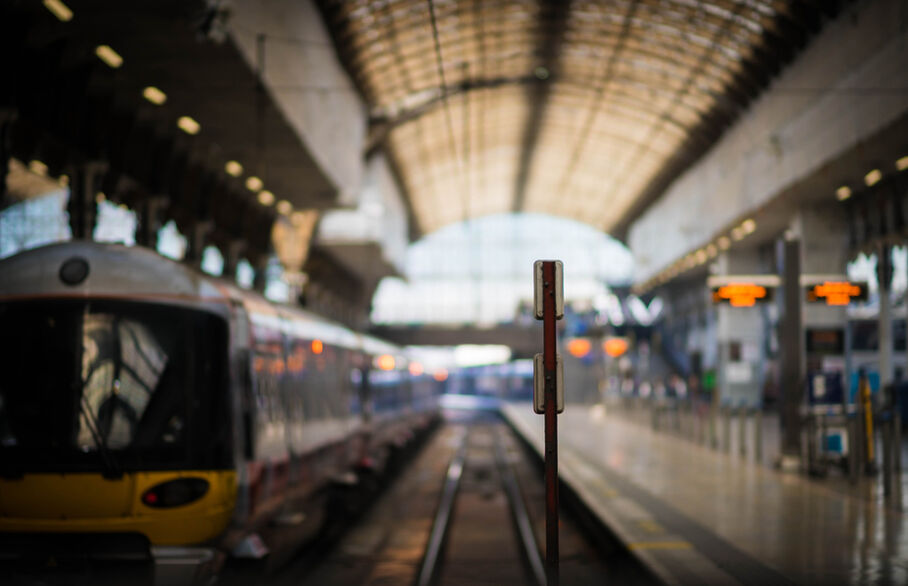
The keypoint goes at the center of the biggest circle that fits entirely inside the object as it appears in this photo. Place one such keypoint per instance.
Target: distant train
(150, 412)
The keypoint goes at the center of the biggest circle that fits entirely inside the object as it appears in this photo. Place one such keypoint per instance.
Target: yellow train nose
(68, 503)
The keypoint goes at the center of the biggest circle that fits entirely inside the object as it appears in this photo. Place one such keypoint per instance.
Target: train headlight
(74, 271)
(175, 493)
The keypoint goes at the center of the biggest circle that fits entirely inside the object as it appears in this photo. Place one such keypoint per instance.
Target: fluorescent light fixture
(253, 183)
(154, 95)
(188, 125)
(266, 198)
(38, 168)
(109, 56)
(748, 226)
(233, 168)
(284, 207)
(873, 177)
(843, 193)
(59, 9)
(902, 163)
(723, 242)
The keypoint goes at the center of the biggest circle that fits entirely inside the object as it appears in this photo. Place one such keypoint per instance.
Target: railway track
(468, 509)
(483, 459)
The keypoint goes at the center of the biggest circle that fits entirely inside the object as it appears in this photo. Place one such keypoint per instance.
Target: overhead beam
(552, 21)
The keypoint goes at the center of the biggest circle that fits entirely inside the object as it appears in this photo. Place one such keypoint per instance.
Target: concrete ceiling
(66, 106)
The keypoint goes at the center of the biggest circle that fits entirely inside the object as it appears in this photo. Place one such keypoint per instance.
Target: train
(150, 412)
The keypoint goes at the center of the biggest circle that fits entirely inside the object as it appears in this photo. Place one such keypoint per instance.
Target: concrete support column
(232, 256)
(884, 276)
(740, 336)
(791, 349)
(816, 243)
(150, 220)
(260, 280)
(82, 207)
(196, 240)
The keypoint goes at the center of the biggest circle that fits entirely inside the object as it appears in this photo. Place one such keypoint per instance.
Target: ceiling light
(154, 95)
(711, 250)
(253, 183)
(700, 256)
(38, 168)
(233, 168)
(284, 207)
(60, 10)
(873, 177)
(902, 163)
(299, 218)
(723, 242)
(748, 226)
(188, 125)
(843, 193)
(737, 234)
(109, 56)
(266, 198)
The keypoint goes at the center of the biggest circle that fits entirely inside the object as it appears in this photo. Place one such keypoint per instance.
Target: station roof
(584, 109)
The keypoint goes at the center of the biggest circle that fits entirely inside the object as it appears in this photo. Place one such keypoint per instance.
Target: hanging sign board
(741, 294)
(836, 292)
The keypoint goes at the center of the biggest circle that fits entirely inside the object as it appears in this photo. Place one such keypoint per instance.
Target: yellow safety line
(660, 545)
(650, 526)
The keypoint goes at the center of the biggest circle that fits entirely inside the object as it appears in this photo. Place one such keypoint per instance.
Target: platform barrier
(738, 430)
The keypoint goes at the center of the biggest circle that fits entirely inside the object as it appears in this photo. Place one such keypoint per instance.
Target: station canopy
(583, 109)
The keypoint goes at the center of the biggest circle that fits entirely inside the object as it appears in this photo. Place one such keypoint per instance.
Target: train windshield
(117, 385)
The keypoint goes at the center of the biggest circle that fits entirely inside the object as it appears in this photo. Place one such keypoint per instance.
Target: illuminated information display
(836, 292)
(742, 294)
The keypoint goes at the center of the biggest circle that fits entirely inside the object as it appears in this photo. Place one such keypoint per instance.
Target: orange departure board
(741, 294)
(836, 292)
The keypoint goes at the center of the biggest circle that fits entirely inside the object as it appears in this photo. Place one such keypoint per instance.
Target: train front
(114, 416)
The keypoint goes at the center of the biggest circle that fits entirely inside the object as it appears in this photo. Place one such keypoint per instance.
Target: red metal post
(551, 424)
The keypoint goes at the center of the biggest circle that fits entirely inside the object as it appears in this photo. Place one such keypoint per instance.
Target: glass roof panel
(494, 106)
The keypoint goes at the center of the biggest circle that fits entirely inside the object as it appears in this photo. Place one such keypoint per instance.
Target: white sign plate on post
(538, 287)
(539, 384)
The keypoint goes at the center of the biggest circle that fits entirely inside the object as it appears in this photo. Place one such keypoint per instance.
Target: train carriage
(181, 417)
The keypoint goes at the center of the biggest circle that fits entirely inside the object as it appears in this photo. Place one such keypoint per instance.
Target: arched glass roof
(584, 109)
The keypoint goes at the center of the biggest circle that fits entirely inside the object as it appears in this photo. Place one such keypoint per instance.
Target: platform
(697, 516)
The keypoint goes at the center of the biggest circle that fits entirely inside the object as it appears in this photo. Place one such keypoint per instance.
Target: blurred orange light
(615, 347)
(416, 368)
(386, 362)
(740, 294)
(579, 347)
(835, 292)
(440, 375)
(317, 347)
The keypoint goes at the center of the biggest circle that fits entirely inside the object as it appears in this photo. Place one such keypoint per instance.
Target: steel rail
(442, 516)
(519, 513)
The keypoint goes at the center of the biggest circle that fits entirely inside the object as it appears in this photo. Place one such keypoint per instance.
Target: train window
(87, 383)
(122, 363)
